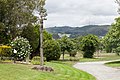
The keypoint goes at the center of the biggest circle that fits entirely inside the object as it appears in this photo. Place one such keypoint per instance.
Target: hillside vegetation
(99, 30)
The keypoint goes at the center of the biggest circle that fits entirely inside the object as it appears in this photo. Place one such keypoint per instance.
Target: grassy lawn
(105, 58)
(24, 72)
(101, 57)
(114, 64)
(63, 70)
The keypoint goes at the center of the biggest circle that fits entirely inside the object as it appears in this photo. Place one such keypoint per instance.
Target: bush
(21, 48)
(89, 44)
(5, 50)
(36, 60)
(51, 50)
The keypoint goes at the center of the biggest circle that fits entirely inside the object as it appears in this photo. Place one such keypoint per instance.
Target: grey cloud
(80, 12)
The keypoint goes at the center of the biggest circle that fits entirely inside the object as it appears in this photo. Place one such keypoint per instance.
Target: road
(99, 70)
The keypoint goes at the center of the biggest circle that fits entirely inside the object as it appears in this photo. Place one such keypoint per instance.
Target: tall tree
(4, 38)
(31, 32)
(14, 14)
(112, 38)
(42, 12)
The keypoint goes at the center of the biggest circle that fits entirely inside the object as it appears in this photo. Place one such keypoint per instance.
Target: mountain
(99, 30)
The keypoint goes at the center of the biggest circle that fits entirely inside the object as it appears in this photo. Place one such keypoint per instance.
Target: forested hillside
(99, 30)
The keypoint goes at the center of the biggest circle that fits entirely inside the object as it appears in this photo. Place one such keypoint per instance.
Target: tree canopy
(89, 45)
(15, 14)
(112, 38)
(66, 45)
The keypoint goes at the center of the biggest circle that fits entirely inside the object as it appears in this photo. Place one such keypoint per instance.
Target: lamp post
(43, 15)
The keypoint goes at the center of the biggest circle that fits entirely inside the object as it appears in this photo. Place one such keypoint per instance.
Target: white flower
(15, 51)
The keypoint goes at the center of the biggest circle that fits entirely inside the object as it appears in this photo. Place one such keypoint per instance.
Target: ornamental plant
(21, 48)
(5, 50)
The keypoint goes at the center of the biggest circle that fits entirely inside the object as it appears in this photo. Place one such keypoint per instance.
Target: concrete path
(99, 70)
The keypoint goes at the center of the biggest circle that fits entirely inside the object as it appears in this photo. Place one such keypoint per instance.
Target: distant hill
(99, 30)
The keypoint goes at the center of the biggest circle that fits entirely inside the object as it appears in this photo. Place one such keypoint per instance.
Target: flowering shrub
(21, 48)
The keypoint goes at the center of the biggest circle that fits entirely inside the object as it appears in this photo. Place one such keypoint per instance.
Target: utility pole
(43, 15)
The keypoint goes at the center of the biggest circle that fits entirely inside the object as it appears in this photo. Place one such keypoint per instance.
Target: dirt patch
(43, 68)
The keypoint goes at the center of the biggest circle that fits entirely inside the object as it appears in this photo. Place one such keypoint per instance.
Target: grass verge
(106, 58)
(24, 72)
(115, 64)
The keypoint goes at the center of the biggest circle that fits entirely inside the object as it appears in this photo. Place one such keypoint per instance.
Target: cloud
(80, 12)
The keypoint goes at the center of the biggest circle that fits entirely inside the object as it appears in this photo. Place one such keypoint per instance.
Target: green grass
(114, 64)
(106, 58)
(63, 69)
(24, 72)
(101, 57)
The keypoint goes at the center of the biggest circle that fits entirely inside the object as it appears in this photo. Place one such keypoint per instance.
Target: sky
(76, 13)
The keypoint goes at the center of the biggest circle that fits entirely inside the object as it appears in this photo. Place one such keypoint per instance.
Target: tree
(51, 50)
(4, 38)
(42, 12)
(118, 2)
(46, 36)
(112, 38)
(31, 32)
(77, 42)
(66, 45)
(74, 47)
(89, 44)
(14, 14)
(107, 43)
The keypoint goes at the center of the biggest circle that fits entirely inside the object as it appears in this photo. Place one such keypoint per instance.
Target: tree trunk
(41, 43)
(27, 59)
(63, 56)
(14, 60)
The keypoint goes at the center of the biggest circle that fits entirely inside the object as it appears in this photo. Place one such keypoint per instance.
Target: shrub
(89, 44)
(51, 50)
(36, 60)
(21, 48)
(5, 50)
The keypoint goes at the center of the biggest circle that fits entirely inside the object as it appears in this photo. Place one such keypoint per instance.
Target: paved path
(99, 70)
